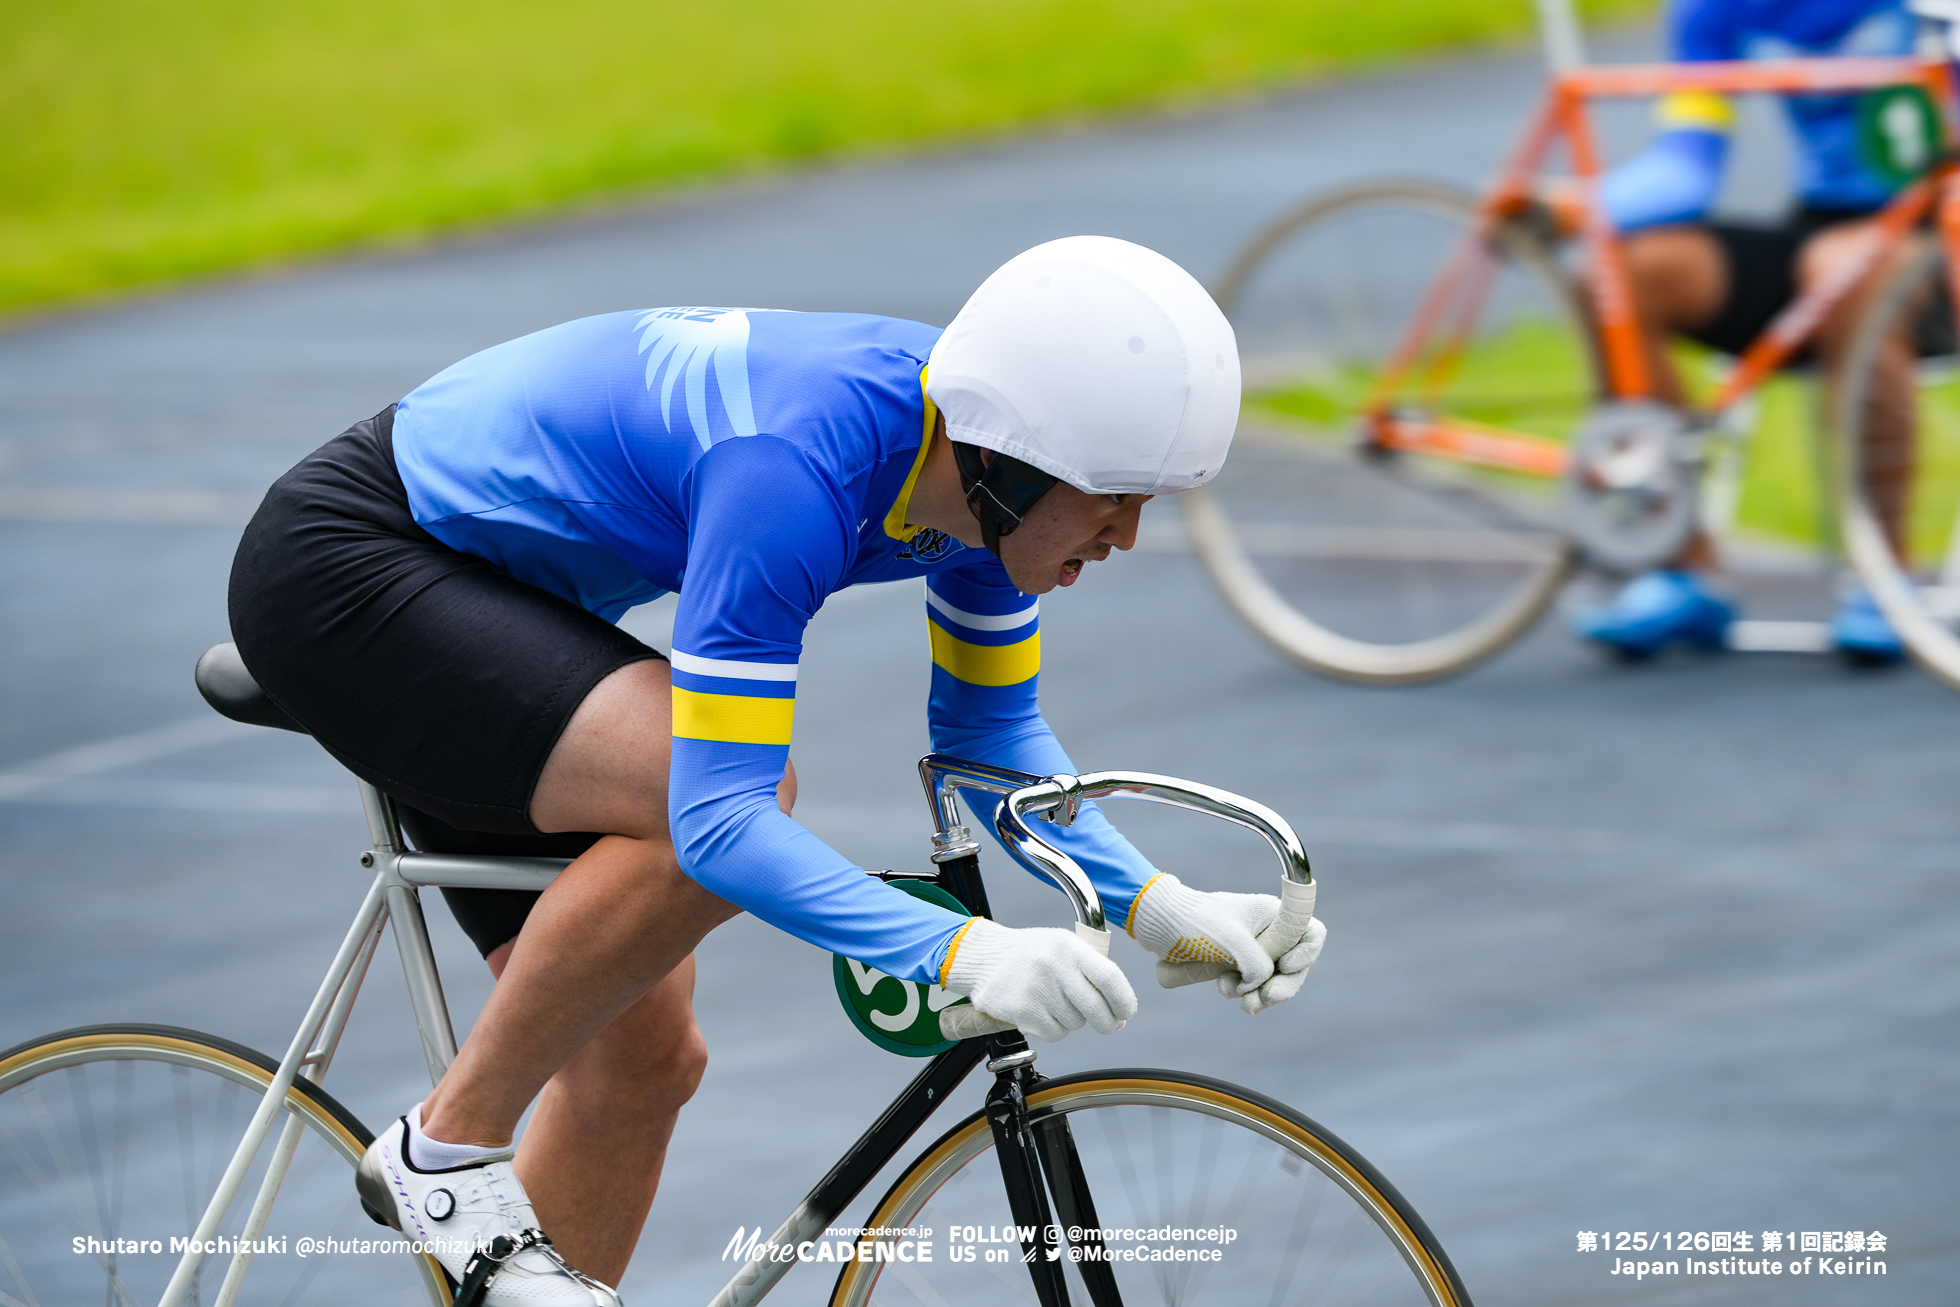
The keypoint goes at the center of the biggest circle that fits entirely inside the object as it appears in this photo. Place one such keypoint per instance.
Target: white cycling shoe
(477, 1222)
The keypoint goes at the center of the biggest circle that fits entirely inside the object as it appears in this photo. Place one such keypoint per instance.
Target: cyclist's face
(1065, 531)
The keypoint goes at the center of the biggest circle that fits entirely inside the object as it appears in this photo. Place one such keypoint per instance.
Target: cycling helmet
(1087, 360)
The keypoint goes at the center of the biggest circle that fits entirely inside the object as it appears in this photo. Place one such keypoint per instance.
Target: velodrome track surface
(1612, 949)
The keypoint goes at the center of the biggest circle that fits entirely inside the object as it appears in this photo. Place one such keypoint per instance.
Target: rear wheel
(1187, 1165)
(112, 1140)
(1916, 578)
(1330, 535)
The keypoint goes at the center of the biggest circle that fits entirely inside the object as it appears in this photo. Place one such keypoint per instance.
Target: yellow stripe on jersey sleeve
(986, 664)
(732, 718)
(1707, 111)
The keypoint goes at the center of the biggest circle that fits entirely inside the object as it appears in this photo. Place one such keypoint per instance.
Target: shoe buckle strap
(487, 1261)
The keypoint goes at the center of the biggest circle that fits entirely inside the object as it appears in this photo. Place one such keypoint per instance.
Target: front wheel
(112, 1140)
(1206, 1193)
(1389, 512)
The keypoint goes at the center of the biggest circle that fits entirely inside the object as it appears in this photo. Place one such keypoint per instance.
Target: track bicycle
(150, 1164)
(1449, 413)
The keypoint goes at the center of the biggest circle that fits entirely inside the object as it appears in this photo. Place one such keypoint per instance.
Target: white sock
(428, 1154)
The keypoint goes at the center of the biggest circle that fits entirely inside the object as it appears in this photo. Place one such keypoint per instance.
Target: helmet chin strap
(999, 492)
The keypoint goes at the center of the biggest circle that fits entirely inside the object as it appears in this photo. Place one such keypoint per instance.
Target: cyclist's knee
(655, 1057)
(1826, 255)
(1678, 275)
(1827, 251)
(677, 1072)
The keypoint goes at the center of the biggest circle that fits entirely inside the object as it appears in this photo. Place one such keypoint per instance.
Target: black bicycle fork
(1037, 1158)
(1034, 1151)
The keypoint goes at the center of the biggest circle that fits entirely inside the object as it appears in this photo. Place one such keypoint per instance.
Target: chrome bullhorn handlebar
(1058, 799)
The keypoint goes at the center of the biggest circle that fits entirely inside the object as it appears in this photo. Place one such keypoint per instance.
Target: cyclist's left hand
(1257, 947)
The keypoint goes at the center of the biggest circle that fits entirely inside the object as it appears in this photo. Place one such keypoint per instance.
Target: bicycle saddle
(228, 687)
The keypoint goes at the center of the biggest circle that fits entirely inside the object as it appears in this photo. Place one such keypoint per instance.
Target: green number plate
(899, 1016)
(1898, 132)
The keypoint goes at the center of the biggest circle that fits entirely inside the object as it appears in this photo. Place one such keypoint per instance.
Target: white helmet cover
(1097, 361)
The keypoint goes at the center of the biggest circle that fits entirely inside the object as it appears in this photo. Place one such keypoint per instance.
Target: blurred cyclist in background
(1722, 283)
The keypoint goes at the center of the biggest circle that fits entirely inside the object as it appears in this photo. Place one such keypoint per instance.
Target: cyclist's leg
(1681, 280)
(592, 1156)
(615, 922)
(1719, 284)
(1890, 411)
(1889, 426)
(596, 992)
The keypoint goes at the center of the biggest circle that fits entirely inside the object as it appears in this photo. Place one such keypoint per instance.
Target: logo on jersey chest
(929, 546)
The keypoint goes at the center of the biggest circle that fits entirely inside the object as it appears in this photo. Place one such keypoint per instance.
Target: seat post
(404, 910)
(384, 827)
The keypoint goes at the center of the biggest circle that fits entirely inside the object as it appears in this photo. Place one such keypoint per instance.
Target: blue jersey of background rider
(755, 461)
(1677, 178)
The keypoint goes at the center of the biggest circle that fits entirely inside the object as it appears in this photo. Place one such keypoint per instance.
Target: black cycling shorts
(432, 674)
(1762, 267)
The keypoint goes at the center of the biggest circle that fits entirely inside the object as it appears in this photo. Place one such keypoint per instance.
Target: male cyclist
(433, 595)
(1722, 283)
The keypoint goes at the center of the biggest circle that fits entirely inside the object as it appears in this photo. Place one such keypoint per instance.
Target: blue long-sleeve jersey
(756, 462)
(1677, 178)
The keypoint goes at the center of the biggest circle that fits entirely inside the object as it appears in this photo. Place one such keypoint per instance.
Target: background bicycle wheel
(1355, 560)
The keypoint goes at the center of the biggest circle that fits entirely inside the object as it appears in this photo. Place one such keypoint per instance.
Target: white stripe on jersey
(733, 669)
(982, 622)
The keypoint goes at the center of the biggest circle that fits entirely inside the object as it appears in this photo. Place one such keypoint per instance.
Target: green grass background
(147, 139)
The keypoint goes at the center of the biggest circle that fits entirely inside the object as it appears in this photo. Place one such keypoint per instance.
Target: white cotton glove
(1257, 947)
(1045, 981)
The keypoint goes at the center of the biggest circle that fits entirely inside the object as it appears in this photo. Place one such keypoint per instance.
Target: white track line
(74, 776)
(164, 506)
(194, 796)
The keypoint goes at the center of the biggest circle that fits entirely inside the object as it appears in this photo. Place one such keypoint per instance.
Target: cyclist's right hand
(1045, 981)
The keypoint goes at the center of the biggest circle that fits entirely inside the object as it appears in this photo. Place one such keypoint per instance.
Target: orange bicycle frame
(1448, 313)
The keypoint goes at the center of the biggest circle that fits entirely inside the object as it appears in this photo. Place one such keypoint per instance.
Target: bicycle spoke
(1166, 1159)
(63, 1197)
(84, 1109)
(125, 1073)
(1297, 1243)
(14, 1276)
(186, 1145)
(1211, 1140)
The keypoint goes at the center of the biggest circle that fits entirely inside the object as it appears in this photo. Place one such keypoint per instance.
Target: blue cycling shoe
(1657, 609)
(1861, 633)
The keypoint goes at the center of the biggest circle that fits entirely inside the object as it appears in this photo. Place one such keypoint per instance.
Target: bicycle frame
(1028, 1151)
(1448, 312)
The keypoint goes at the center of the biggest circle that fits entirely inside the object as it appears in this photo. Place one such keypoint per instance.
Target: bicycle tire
(1921, 601)
(1408, 569)
(118, 1133)
(1330, 1228)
